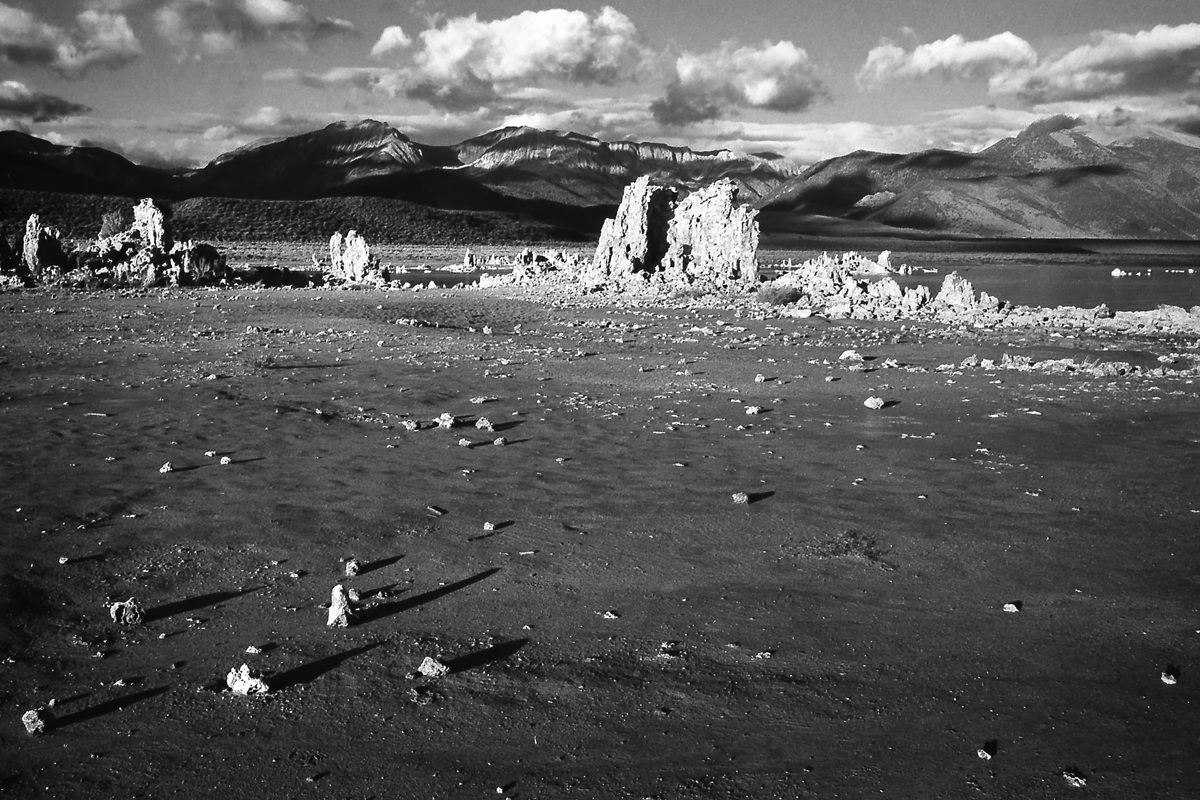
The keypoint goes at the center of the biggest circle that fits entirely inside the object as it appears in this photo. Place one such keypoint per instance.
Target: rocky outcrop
(706, 241)
(841, 286)
(957, 298)
(143, 255)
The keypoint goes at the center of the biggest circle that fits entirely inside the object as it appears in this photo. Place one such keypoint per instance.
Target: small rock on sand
(873, 403)
(126, 612)
(352, 567)
(37, 720)
(242, 681)
(432, 668)
(741, 498)
(340, 611)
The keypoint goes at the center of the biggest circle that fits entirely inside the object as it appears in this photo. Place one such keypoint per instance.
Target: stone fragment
(37, 721)
(740, 498)
(1012, 608)
(432, 668)
(499, 441)
(243, 681)
(352, 567)
(484, 424)
(126, 612)
(226, 461)
(340, 610)
(446, 421)
(167, 467)
(873, 403)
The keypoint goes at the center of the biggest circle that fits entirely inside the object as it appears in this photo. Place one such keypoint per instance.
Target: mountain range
(1058, 178)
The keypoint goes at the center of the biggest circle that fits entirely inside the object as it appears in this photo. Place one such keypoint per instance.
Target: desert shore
(622, 628)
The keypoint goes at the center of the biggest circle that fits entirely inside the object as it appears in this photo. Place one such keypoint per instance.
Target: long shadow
(507, 426)
(497, 652)
(387, 609)
(194, 603)
(307, 673)
(757, 497)
(108, 706)
(379, 563)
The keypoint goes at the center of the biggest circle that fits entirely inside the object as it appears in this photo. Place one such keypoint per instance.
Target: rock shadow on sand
(195, 603)
(307, 673)
(489, 655)
(108, 707)
(387, 609)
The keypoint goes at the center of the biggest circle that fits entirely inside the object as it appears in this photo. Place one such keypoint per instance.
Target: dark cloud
(100, 38)
(200, 28)
(19, 100)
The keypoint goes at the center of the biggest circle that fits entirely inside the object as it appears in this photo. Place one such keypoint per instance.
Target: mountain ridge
(1057, 178)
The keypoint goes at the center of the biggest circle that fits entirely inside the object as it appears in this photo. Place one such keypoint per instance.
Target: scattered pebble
(464, 442)
(165, 468)
(489, 526)
(499, 441)
(226, 461)
(740, 498)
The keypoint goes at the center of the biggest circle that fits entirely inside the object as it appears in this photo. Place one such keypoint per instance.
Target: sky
(178, 82)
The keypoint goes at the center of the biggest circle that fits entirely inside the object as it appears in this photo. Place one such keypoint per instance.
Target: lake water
(1077, 285)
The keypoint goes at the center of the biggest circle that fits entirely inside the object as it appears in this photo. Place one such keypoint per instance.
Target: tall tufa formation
(149, 223)
(43, 249)
(350, 259)
(713, 242)
(634, 242)
(705, 241)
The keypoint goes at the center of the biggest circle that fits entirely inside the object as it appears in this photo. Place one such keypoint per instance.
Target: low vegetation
(380, 220)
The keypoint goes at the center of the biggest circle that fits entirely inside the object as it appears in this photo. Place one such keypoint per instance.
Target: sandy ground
(626, 630)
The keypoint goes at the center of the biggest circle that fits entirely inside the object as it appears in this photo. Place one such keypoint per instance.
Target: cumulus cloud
(392, 38)
(1163, 59)
(776, 77)
(465, 61)
(200, 28)
(19, 100)
(100, 38)
(953, 57)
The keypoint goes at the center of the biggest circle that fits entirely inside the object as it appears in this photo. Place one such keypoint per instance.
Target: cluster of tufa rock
(705, 241)
(143, 255)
